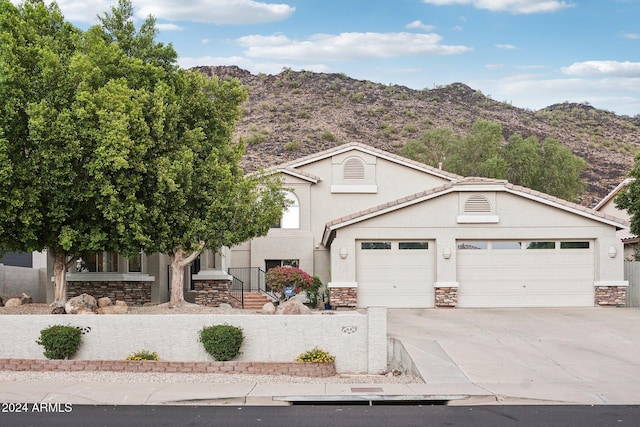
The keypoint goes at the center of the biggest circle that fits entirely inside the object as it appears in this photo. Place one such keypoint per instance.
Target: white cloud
(494, 66)
(631, 36)
(220, 12)
(511, 6)
(419, 25)
(506, 46)
(169, 27)
(347, 46)
(535, 91)
(598, 68)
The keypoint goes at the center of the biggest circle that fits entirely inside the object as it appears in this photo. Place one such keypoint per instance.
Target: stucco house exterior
(381, 230)
(607, 206)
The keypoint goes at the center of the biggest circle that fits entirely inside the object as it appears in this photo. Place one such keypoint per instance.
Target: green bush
(60, 342)
(222, 342)
(313, 292)
(316, 355)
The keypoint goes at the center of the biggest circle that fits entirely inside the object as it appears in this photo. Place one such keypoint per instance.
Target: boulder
(24, 298)
(81, 303)
(268, 308)
(121, 303)
(113, 309)
(293, 306)
(58, 310)
(13, 302)
(104, 302)
(225, 306)
(1, 302)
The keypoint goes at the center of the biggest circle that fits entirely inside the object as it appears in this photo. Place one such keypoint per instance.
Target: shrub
(316, 355)
(222, 342)
(313, 293)
(143, 355)
(279, 278)
(59, 341)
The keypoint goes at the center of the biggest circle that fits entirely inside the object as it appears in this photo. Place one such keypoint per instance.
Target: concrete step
(255, 300)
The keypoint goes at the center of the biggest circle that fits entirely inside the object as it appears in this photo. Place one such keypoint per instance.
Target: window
(413, 245)
(135, 263)
(98, 262)
(375, 245)
(504, 244)
(271, 263)
(541, 245)
(353, 169)
(291, 214)
(473, 244)
(574, 245)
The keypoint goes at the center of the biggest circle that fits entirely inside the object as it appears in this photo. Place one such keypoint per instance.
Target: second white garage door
(525, 273)
(396, 274)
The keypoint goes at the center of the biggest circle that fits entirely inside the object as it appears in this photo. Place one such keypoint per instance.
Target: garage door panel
(398, 278)
(526, 277)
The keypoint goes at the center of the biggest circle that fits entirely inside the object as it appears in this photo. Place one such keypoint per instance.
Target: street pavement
(586, 356)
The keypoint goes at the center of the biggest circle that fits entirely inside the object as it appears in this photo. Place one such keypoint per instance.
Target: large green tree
(106, 144)
(548, 166)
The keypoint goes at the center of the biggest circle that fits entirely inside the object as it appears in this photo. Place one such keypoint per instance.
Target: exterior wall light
(612, 252)
(446, 253)
(344, 253)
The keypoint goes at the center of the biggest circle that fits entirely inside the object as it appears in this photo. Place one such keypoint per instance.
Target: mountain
(293, 114)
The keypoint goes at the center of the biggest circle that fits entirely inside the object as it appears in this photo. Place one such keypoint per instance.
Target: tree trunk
(60, 279)
(178, 264)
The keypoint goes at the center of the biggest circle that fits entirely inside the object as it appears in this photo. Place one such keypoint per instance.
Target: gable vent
(477, 204)
(353, 169)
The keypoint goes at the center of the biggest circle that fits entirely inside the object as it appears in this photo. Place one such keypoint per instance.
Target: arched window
(353, 168)
(291, 214)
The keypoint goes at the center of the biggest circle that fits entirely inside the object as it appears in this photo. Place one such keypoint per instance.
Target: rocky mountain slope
(293, 114)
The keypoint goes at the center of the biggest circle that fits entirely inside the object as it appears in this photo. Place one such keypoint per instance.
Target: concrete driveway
(569, 355)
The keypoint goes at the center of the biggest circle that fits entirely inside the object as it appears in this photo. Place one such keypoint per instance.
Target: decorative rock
(268, 308)
(24, 298)
(1, 302)
(13, 302)
(293, 306)
(121, 303)
(58, 310)
(225, 306)
(104, 302)
(83, 302)
(113, 309)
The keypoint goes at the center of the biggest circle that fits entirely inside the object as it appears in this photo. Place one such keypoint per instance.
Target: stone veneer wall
(212, 293)
(611, 295)
(343, 297)
(321, 370)
(133, 293)
(446, 297)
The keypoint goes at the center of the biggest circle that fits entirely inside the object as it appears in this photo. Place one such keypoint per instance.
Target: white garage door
(395, 274)
(525, 273)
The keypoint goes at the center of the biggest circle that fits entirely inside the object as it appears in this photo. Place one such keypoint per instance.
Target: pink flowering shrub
(279, 278)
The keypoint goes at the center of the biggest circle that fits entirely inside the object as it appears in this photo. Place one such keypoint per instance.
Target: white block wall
(357, 340)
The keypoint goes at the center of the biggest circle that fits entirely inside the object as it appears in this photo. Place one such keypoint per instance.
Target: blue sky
(531, 53)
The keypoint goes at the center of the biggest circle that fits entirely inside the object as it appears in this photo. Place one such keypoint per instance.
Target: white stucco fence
(358, 340)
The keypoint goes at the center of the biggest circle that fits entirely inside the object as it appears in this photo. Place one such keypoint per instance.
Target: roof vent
(353, 169)
(477, 204)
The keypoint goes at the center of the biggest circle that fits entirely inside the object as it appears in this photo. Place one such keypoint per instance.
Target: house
(381, 230)
(607, 206)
